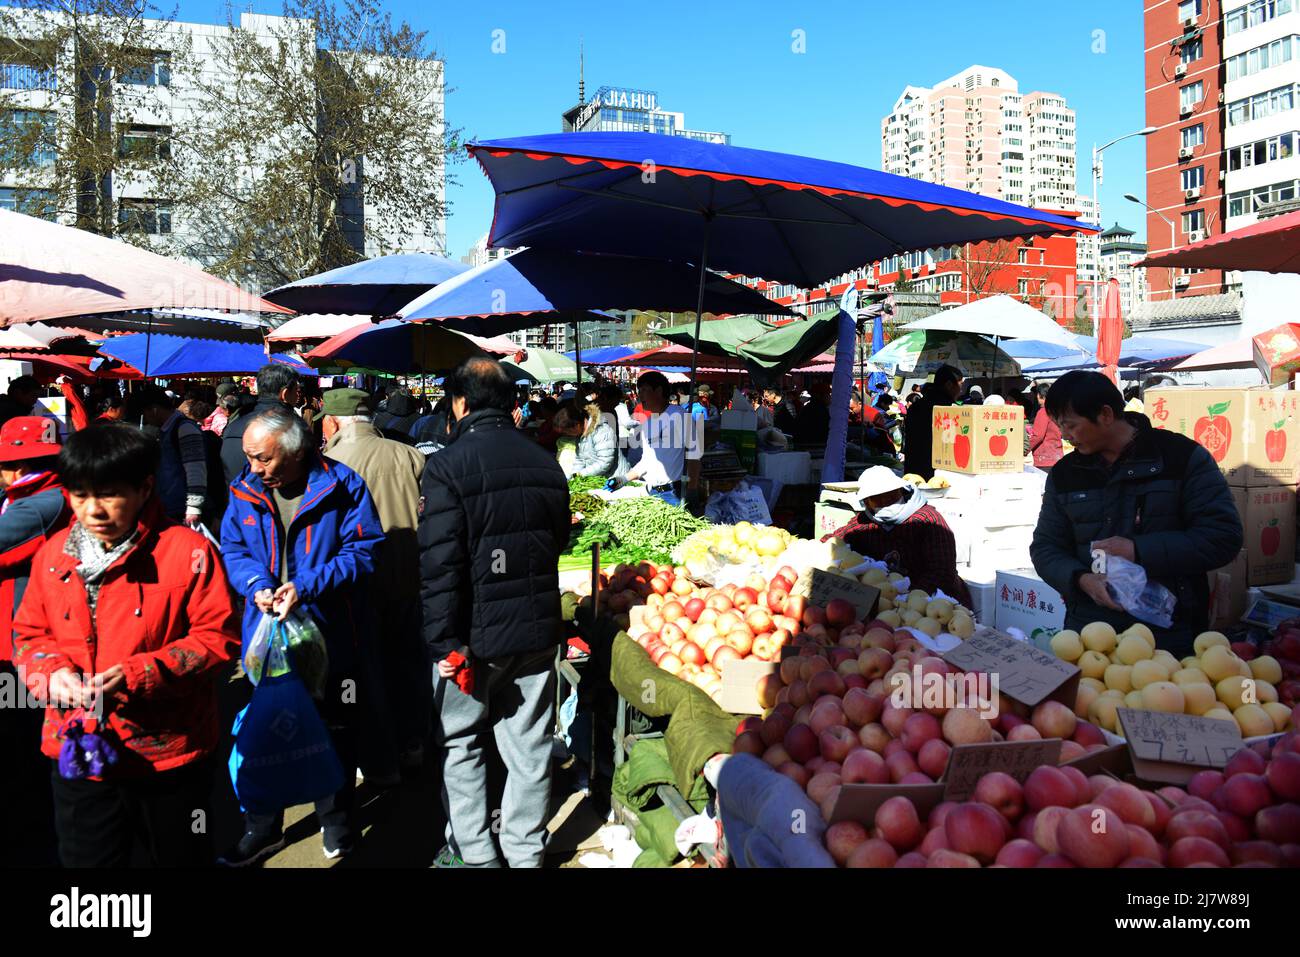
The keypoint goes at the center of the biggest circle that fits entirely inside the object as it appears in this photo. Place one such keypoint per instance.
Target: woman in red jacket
(125, 625)
(1045, 437)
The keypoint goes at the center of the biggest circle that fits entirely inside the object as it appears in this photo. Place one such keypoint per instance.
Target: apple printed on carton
(998, 444)
(1275, 442)
(1270, 538)
(1214, 431)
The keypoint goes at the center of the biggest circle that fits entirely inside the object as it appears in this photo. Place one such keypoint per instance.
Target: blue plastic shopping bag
(283, 755)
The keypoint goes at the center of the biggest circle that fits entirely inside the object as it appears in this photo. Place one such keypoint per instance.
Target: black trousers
(156, 821)
(26, 806)
(342, 715)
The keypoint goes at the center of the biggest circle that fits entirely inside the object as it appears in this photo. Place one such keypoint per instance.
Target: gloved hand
(464, 675)
(613, 485)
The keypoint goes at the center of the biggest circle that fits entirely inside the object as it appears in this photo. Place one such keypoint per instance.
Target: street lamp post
(1096, 180)
(1172, 237)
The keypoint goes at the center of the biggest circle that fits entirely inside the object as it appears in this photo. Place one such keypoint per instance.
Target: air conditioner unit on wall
(1185, 153)
(1195, 235)
(1193, 193)
(1182, 281)
(1185, 109)
(1180, 70)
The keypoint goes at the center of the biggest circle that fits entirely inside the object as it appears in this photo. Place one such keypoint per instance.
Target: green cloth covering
(650, 858)
(655, 833)
(647, 767)
(767, 349)
(697, 730)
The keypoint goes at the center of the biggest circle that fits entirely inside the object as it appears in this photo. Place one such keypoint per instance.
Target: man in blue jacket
(300, 534)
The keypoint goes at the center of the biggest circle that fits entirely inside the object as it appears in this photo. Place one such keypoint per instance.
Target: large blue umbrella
(603, 354)
(372, 287)
(170, 357)
(541, 286)
(1133, 352)
(782, 217)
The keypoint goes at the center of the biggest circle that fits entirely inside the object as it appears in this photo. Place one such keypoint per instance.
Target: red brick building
(1184, 80)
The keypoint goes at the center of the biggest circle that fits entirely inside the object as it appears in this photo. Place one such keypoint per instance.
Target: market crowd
(415, 546)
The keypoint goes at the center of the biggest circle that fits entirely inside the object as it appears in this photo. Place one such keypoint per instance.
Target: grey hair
(288, 427)
(349, 419)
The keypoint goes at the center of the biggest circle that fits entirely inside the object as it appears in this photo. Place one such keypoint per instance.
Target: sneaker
(449, 858)
(380, 782)
(336, 845)
(252, 849)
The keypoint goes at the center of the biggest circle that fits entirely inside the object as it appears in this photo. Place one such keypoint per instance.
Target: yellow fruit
(911, 617)
(1219, 662)
(1067, 645)
(1134, 700)
(1092, 683)
(1198, 698)
(1236, 691)
(1243, 668)
(1207, 640)
(1114, 659)
(1169, 662)
(875, 576)
(1093, 664)
(1190, 676)
(1266, 668)
(1264, 691)
(1119, 677)
(1084, 699)
(940, 610)
(1219, 713)
(929, 626)
(1191, 661)
(1253, 720)
(1098, 636)
(962, 625)
(1132, 649)
(891, 618)
(1163, 696)
(1280, 714)
(1102, 710)
(1143, 632)
(1145, 672)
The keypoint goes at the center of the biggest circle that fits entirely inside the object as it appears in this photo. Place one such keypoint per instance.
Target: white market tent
(1000, 317)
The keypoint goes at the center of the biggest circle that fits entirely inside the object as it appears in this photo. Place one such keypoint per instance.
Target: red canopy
(1110, 332)
(48, 271)
(1272, 245)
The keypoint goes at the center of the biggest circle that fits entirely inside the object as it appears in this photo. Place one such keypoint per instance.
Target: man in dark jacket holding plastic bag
(1151, 497)
(300, 535)
(494, 519)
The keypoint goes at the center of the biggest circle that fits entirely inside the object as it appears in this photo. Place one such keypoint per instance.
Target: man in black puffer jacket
(398, 416)
(494, 518)
(1146, 495)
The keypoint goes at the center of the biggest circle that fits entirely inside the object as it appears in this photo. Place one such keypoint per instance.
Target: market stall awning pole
(577, 357)
(699, 311)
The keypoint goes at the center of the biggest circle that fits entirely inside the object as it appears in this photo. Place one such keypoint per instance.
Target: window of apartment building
(1193, 177)
(1190, 95)
(1262, 57)
(145, 143)
(153, 69)
(1194, 136)
(1261, 105)
(1022, 287)
(17, 72)
(1188, 8)
(1249, 201)
(1192, 50)
(149, 216)
(32, 129)
(42, 203)
(1193, 219)
(1253, 14)
(1260, 152)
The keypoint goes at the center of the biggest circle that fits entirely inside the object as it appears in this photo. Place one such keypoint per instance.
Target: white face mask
(901, 510)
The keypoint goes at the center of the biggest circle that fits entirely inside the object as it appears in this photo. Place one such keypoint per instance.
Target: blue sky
(731, 66)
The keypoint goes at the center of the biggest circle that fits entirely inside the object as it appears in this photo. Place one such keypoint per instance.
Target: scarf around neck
(900, 511)
(93, 560)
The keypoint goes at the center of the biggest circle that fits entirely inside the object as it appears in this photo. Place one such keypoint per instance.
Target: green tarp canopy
(769, 350)
(543, 365)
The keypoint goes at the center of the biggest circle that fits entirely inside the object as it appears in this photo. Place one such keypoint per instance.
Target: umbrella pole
(699, 312)
(148, 341)
(577, 357)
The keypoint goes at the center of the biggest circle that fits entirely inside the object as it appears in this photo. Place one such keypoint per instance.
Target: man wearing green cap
(391, 471)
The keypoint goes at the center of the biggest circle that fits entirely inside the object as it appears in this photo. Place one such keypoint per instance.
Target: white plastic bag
(1145, 600)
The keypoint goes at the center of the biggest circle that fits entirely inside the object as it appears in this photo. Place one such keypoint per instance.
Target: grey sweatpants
(514, 699)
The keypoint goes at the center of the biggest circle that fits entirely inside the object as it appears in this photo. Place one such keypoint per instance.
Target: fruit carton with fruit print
(979, 439)
(1253, 434)
(1268, 524)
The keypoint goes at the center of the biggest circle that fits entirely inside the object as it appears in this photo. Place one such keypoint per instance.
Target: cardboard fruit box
(978, 439)
(1253, 434)
(1268, 525)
